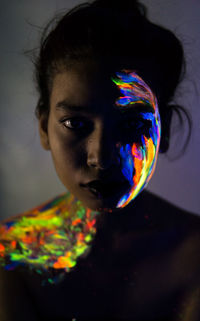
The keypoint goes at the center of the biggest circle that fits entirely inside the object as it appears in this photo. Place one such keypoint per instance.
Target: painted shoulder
(25, 227)
(36, 210)
(50, 236)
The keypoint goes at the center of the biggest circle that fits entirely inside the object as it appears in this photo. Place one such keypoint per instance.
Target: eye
(74, 123)
(137, 124)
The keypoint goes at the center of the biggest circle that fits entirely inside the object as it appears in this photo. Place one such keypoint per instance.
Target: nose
(102, 149)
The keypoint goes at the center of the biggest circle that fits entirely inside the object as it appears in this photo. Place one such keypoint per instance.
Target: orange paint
(29, 239)
(136, 151)
(138, 170)
(88, 212)
(80, 237)
(2, 247)
(13, 244)
(63, 262)
(91, 223)
(77, 221)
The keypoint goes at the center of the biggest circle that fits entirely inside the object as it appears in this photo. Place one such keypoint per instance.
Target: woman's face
(103, 133)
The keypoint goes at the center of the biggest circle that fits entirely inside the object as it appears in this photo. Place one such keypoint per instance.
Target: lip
(106, 189)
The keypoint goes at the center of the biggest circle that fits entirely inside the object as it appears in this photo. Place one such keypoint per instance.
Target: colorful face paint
(52, 235)
(138, 158)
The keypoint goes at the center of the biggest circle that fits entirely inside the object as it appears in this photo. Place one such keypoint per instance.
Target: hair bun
(122, 5)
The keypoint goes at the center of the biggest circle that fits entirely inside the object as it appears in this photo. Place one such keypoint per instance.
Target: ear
(43, 131)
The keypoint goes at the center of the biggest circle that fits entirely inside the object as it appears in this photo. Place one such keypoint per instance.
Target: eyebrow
(65, 106)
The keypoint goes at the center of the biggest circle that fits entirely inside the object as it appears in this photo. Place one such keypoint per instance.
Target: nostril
(92, 161)
(105, 163)
(93, 165)
(104, 159)
(97, 164)
(103, 153)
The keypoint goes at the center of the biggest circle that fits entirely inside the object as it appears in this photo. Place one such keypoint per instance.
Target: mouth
(103, 190)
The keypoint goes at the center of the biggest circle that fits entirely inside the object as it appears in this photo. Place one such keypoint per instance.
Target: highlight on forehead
(133, 89)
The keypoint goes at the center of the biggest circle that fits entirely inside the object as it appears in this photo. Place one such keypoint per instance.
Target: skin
(164, 244)
(81, 157)
(125, 124)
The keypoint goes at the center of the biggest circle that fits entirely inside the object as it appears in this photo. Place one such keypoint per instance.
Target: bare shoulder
(168, 214)
(186, 225)
(185, 257)
(170, 267)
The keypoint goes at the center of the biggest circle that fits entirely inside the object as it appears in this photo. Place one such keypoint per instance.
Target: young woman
(107, 249)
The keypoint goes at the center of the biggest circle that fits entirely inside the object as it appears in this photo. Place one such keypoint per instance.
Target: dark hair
(119, 32)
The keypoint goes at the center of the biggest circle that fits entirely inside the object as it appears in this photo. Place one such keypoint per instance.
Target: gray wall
(27, 174)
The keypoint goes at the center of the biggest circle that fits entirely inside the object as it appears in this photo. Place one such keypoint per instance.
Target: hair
(119, 32)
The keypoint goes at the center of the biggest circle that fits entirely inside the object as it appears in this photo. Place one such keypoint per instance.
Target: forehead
(92, 85)
(83, 83)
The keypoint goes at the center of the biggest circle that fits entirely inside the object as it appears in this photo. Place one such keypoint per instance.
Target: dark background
(27, 174)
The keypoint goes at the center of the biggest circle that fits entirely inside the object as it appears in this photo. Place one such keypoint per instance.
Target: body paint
(51, 236)
(138, 159)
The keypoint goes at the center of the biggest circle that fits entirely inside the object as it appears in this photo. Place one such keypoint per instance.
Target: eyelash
(73, 119)
(138, 123)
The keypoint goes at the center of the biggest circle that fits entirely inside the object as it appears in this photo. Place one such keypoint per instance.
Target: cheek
(145, 154)
(139, 161)
(66, 163)
(66, 152)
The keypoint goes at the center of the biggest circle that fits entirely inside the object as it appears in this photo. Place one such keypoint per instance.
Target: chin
(102, 204)
(104, 200)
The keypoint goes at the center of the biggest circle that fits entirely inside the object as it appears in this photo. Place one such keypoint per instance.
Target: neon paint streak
(52, 235)
(138, 165)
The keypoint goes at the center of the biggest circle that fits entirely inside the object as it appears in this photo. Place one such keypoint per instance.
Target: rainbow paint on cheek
(51, 236)
(138, 158)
